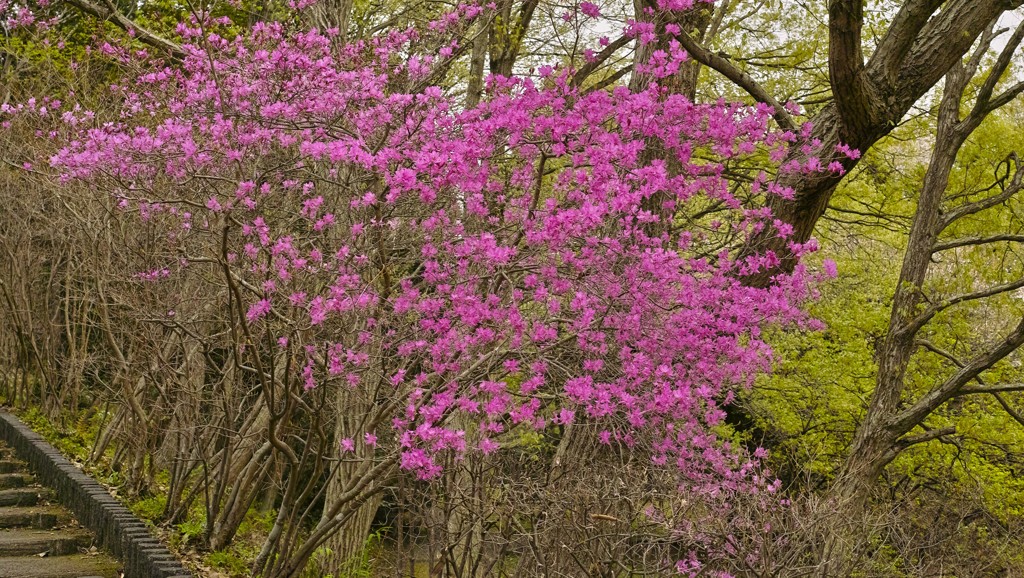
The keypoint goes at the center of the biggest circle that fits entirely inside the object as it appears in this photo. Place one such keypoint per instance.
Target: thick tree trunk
(871, 99)
(883, 433)
(331, 14)
(349, 545)
(694, 22)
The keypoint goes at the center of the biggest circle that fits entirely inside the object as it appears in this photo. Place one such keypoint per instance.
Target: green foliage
(149, 509)
(962, 491)
(810, 406)
(229, 562)
(236, 559)
(192, 528)
(75, 441)
(360, 566)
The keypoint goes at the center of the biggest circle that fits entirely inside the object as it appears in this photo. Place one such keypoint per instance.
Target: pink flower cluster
(522, 264)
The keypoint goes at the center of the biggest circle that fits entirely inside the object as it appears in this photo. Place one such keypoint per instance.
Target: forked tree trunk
(892, 414)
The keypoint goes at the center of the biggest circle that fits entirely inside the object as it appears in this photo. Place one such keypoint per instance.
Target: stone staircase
(39, 539)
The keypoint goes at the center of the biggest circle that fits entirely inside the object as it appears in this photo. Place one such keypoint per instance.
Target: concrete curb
(117, 529)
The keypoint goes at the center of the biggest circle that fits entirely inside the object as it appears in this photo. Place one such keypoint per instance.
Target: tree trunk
(695, 22)
(327, 14)
(880, 436)
(915, 53)
(348, 543)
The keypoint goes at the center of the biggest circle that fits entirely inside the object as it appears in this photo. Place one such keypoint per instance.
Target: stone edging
(117, 530)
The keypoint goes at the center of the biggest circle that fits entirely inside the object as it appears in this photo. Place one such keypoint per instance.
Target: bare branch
(1017, 417)
(111, 14)
(984, 43)
(929, 435)
(1014, 187)
(611, 79)
(973, 241)
(938, 351)
(738, 77)
(1001, 388)
(918, 322)
(948, 36)
(899, 39)
(906, 420)
(1005, 98)
(716, 23)
(587, 69)
(983, 104)
(905, 442)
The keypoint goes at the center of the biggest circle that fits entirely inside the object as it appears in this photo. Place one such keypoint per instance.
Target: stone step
(24, 496)
(12, 466)
(41, 539)
(17, 480)
(74, 566)
(28, 542)
(42, 517)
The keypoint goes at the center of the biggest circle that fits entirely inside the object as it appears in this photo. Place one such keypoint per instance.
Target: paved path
(39, 539)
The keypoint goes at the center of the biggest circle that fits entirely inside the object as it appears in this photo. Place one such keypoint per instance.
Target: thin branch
(611, 79)
(587, 69)
(938, 351)
(994, 390)
(928, 435)
(1001, 388)
(111, 14)
(918, 322)
(984, 104)
(973, 241)
(984, 43)
(738, 77)
(1014, 187)
(907, 441)
(970, 371)
(716, 23)
(1005, 98)
(1017, 417)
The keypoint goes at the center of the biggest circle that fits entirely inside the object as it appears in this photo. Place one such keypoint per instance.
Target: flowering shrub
(363, 215)
(551, 255)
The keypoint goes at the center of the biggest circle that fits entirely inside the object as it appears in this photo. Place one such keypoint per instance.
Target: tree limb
(983, 104)
(611, 79)
(1017, 417)
(110, 13)
(1001, 388)
(905, 442)
(944, 39)
(918, 322)
(1016, 182)
(738, 77)
(587, 69)
(972, 241)
(899, 39)
(969, 390)
(928, 435)
(913, 415)
(855, 96)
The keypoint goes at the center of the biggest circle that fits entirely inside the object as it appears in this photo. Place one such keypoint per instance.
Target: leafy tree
(454, 276)
(403, 232)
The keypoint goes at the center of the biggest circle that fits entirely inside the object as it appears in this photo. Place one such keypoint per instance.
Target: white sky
(1009, 20)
